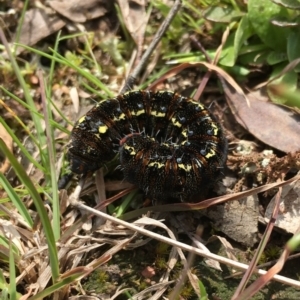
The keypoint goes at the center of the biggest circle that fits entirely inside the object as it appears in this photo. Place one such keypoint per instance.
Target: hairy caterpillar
(170, 146)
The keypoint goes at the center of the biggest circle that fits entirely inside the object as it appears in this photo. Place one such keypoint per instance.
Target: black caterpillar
(170, 146)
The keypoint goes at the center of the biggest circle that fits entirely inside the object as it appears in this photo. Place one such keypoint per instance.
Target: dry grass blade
(228, 249)
(264, 279)
(260, 248)
(214, 61)
(219, 50)
(289, 204)
(119, 291)
(101, 196)
(186, 272)
(209, 202)
(174, 71)
(173, 258)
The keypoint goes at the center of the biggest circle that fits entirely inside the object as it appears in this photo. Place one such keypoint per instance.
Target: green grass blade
(5, 251)
(27, 95)
(21, 146)
(52, 155)
(24, 178)
(12, 275)
(3, 287)
(57, 286)
(13, 196)
(52, 65)
(125, 203)
(203, 293)
(87, 75)
(60, 59)
(53, 123)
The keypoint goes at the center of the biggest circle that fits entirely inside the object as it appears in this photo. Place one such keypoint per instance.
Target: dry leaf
(11, 233)
(37, 25)
(275, 125)
(79, 11)
(135, 19)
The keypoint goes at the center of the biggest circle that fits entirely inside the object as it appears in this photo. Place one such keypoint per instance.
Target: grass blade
(13, 196)
(12, 275)
(24, 178)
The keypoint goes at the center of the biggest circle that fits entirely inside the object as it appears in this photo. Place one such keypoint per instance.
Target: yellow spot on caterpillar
(139, 112)
(176, 123)
(120, 117)
(166, 145)
(184, 133)
(156, 164)
(82, 119)
(187, 168)
(183, 143)
(215, 128)
(102, 129)
(130, 149)
(210, 154)
(158, 114)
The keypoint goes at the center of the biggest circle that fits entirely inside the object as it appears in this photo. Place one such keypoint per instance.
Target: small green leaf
(228, 52)
(235, 42)
(238, 71)
(260, 13)
(288, 80)
(221, 14)
(244, 31)
(294, 243)
(125, 203)
(73, 58)
(290, 96)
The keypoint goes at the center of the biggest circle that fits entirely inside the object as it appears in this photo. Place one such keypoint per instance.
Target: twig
(208, 59)
(158, 36)
(208, 73)
(201, 48)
